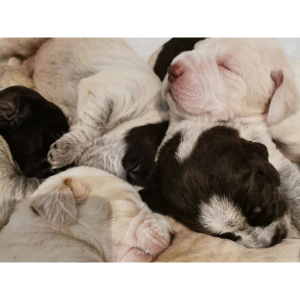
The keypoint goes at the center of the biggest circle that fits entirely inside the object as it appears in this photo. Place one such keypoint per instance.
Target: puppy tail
(25, 47)
(6, 210)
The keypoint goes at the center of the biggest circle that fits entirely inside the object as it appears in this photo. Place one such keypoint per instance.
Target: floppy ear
(58, 206)
(285, 100)
(264, 203)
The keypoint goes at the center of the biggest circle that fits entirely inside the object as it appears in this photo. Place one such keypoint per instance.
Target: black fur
(30, 124)
(142, 144)
(222, 164)
(169, 51)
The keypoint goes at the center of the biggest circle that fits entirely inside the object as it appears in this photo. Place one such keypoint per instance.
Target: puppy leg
(19, 46)
(9, 76)
(101, 107)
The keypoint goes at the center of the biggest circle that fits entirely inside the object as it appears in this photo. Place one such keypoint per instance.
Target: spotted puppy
(83, 215)
(30, 125)
(215, 181)
(100, 84)
(127, 152)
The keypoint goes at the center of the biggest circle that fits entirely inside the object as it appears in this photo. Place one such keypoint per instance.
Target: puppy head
(221, 171)
(141, 146)
(223, 78)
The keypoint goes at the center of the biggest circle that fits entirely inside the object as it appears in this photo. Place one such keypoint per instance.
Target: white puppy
(84, 214)
(225, 78)
(99, 84)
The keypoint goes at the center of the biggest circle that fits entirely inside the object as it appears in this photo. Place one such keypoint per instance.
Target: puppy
(100, 84)
(13, 184)
(215, 182)
(161, 59)
(127, 152)
(30, 125)
(84, 215)
(189, 246)
(226, 78)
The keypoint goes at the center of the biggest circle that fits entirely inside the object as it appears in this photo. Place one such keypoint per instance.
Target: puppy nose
(174, 72)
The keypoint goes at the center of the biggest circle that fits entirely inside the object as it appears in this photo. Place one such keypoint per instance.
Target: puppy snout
(174, 72)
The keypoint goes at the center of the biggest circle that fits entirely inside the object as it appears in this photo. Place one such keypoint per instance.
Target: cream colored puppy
(221, 79)
(84, 215)
(190, 246)
(100, 84)
(13, 184)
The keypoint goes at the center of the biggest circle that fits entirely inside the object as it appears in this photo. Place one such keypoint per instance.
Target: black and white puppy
(128, 153)
(215, 182)
(161, 59)
(30, 125)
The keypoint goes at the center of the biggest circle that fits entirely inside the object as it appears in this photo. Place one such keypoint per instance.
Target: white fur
(190, 246)
(227, 78)
(109, 222)
(98, 83)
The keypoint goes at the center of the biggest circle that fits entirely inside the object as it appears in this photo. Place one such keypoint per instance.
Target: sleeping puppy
(96, 216)
(100, 84)
(30, 125)
(127, 152)
(226, 78)
(161, 59)
(13, 184)
(190, 246)
(215, 182)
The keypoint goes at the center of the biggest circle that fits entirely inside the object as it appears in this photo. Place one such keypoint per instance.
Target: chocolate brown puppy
(216, 182)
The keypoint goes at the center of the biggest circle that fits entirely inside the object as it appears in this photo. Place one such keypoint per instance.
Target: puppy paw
(62, 153)
(152, 237)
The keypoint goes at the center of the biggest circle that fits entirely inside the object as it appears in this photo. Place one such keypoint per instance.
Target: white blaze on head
(220, 216)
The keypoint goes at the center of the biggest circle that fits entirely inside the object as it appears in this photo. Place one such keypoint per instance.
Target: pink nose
(174, 72)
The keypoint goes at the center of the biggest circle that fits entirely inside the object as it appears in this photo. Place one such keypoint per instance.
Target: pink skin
(188, 84)
(148, 235)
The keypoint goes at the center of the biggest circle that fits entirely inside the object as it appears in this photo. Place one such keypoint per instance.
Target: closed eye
(226, 68)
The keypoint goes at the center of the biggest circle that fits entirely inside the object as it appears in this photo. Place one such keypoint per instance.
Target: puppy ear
(58, 206)
(285, 100)
(264, 203)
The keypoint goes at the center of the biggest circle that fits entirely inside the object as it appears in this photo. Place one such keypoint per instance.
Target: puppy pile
(215, 148)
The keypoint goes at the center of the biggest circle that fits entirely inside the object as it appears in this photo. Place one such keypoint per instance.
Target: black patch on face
(169, 51)
(221, 164)
(30, 124)
(142, 144)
